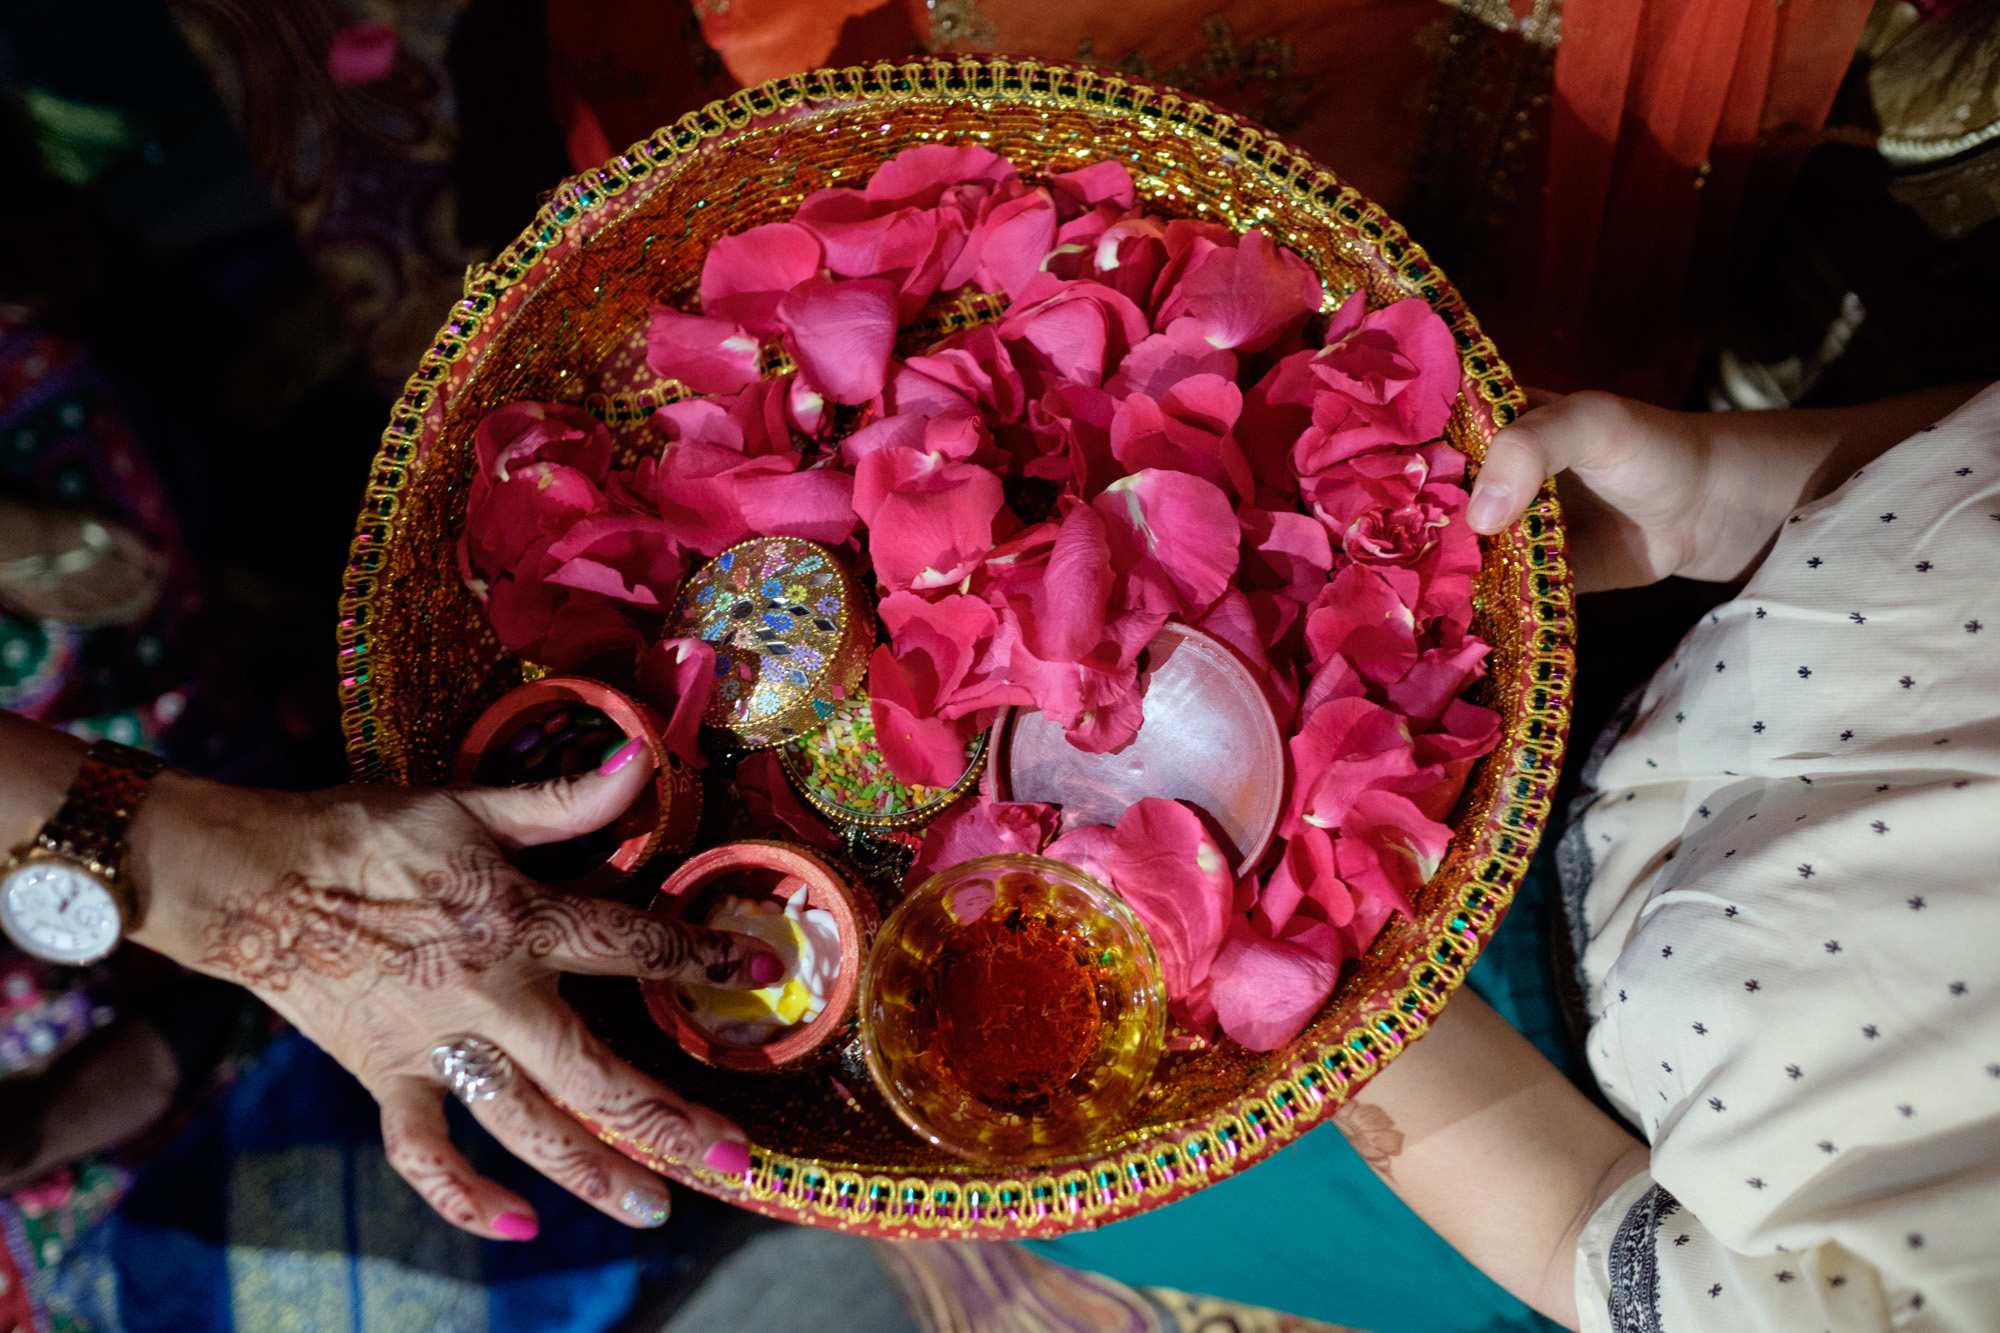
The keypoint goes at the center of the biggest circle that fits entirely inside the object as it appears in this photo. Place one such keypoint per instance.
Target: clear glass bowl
(1012, 1010)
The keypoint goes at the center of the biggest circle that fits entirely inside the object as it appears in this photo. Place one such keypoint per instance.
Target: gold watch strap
(91, 825)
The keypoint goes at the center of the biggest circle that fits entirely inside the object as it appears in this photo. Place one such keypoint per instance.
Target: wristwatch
(66, 897)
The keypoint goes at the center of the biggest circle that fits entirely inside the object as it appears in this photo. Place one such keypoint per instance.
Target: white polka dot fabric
(1790, 938)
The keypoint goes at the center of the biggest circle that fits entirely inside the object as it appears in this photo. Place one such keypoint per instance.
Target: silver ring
(473, 1068)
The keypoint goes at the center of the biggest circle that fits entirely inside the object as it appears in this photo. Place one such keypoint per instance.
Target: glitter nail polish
(649, 1210)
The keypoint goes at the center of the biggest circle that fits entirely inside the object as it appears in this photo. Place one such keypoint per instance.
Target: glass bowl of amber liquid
(1012, 1010)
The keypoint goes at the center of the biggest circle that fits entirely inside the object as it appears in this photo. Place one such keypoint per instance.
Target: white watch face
(59, 912)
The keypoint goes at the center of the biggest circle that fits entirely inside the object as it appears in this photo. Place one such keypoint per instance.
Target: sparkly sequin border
(1340, 1052)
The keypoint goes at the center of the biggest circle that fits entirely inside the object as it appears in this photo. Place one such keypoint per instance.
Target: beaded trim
(1428, 958)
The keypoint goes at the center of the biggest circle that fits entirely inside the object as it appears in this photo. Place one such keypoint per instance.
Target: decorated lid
(791, 633)
(840, 773)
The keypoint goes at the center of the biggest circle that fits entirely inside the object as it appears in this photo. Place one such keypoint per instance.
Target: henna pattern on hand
(579, 1170)
(435, 1183)
(467, 917)
(588, 929)
(1373, 1133)
(656, 1124)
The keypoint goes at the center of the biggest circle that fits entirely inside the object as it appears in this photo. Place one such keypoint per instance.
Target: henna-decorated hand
(384, 922)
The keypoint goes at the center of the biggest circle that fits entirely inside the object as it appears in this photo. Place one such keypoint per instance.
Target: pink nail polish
(765, 969)
(516, 1226)
(729, 1157)
(623, 755)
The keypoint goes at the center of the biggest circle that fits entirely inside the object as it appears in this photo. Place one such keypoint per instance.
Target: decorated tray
(553, 318)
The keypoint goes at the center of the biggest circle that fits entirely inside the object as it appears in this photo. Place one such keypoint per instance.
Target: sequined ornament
(791, 633)
(840, 773)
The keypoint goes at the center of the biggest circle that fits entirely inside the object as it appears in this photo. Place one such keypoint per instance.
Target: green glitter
(840, 768)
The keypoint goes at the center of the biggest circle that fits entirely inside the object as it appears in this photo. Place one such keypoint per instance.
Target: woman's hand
(385, 922)
(1648, 493)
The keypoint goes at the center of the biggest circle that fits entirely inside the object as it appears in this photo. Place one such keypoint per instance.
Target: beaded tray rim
(1169, 1161)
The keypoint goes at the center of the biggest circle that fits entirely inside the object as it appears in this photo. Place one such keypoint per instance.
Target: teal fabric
(1313, 1232)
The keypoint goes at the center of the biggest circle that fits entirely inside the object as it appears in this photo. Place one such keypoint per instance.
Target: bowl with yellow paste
(818, 923)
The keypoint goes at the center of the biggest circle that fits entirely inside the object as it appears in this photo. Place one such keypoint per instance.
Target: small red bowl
(663, 818)
(757, 869)
(1210, 738)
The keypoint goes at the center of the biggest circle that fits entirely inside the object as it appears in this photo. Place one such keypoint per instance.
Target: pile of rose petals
(1154, 429)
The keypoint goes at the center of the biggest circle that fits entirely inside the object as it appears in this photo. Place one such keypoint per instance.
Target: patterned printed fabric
(277, 1213)
(65, 440)
(44, 1011)
(985, 1287)
(1786, 898)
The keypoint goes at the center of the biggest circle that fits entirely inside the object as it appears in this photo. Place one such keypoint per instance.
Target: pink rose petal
(1111, 724)
(1171, 873)
(773, 807)
(1266, 990)
(1071, 427)
(1388, 849)
(744, 276)
(1074, 331)
(1173, 539)
(1128, 256)
(1365, 614)
(1161, 362)
(1387, 382)
(705, 421)
(627, 557)
(918, 177)
(1062, 614)
(1186, 431)
(933, 645)
(1435, 680)
(1016, 228)
(1347, 747)
(521, 611)
(1247, 295)
(1088, 847)
(695, 490)
(982, 828)
(817, 505)
(1284, 550)
(976, 367)
(707, 355)
(527, 432)
(1105, 182)
(538, 501)
(919, 747)
(930, 520)
(677, 676)
(840, 333)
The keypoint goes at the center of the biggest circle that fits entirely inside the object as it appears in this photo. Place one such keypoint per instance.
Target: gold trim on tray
(418, 661)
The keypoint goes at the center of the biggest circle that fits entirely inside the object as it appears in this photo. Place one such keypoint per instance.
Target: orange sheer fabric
(1675, 125)
(1589, 206)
